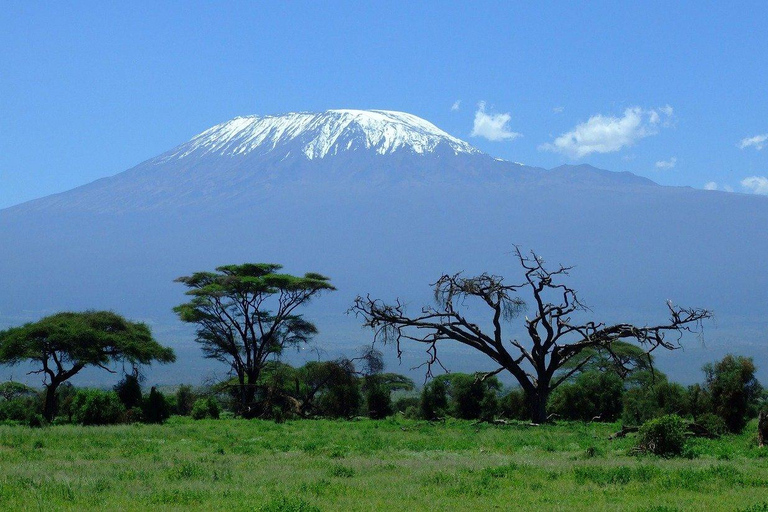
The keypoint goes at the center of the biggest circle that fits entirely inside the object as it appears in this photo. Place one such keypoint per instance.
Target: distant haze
(383, 203)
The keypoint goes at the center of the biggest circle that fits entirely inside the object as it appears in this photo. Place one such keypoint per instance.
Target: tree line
(247, 315)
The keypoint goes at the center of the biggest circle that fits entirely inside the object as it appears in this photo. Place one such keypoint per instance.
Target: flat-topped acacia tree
(246, 314)
(65, 343)
(539, 364)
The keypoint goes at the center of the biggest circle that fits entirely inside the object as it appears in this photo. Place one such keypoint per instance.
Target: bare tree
(554, 338)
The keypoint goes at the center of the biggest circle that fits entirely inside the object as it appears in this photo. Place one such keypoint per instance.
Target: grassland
(368, 465)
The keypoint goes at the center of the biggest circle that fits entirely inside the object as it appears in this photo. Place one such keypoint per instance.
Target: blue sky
(90, 89)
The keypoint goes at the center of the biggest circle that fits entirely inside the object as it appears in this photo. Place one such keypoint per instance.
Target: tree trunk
(49, 409)
(762, 429)
(537, 402)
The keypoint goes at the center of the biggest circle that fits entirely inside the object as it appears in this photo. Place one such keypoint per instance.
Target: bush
(185, 400)
(594, 394)
(514, 406)
(461, 395)
(96, 407)
(652, 401)
(129, 391)
(663, 436)
(406, 403)
(206, 408)
(713, 424)
(155, 407)
(377, 398)
(434, 399)
(733, 390)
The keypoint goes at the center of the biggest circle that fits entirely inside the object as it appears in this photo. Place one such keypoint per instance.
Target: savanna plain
(391, 464)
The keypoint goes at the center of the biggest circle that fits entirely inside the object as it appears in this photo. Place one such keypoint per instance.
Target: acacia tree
(554, 339)
(65, 343)
(246, 314)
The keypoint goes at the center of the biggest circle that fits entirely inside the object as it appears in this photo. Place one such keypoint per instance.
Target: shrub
(663, 436)
(96, 407)
(461, 395)
(713, 424)
(185, 400)
(592, 394)
(206, 408)
(155, 407)
(652, 401)
(129, 391)
(377, 398)
(406, 403)
(514, 405)
(733, 390)
(434, 399)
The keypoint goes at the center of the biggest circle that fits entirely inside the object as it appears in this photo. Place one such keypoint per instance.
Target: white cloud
(759, 141)
(492, 126)
(728, 188)
(456, 105)
(607, 134)
(756, 184)
(710, 185)
(558, 110)
(667, 164)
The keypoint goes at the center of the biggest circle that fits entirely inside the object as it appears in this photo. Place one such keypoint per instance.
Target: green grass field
(368, 465)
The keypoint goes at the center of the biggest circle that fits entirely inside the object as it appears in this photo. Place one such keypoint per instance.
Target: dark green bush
(378, 401)
(434, 399)
(155, 407)
(594, 394)
(129, 391)
(185, 400)
(663, 436)
(654, 400)
(713, 424)
(96, 407)
(514, 406)
(206, 408)
(733, 390)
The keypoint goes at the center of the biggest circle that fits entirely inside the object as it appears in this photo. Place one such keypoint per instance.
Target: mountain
(383, 202)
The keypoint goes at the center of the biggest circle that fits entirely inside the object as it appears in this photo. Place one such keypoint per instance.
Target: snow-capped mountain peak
(317, 135)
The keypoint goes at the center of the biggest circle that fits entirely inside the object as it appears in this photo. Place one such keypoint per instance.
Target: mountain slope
(383, 203)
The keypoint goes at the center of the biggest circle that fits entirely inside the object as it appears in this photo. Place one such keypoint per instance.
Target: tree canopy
(246, 314)
(65, 343)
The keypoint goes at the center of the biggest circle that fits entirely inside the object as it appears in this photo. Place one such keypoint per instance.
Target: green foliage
(129, 391)
(341, 396)
(96, 407)
(663, 436)
(434, 399)
(155, 407)
(462, 396)
(733, 390)
(654, 400)
(713, 423)
(185, 400)
(514, 406)
(206, 408)
(378, 401)
(593, 394)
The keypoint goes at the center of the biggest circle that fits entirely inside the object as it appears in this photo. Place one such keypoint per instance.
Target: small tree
(65, 343)
(554, 337)
(246, 314)
(733, 389)
(129, 391)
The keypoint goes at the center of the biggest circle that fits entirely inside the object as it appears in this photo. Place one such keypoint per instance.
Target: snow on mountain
(317, 135)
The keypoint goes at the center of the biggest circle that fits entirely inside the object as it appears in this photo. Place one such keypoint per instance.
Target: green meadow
(392, 464)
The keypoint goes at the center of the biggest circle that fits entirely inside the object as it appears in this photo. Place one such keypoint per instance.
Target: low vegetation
(392, 464)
